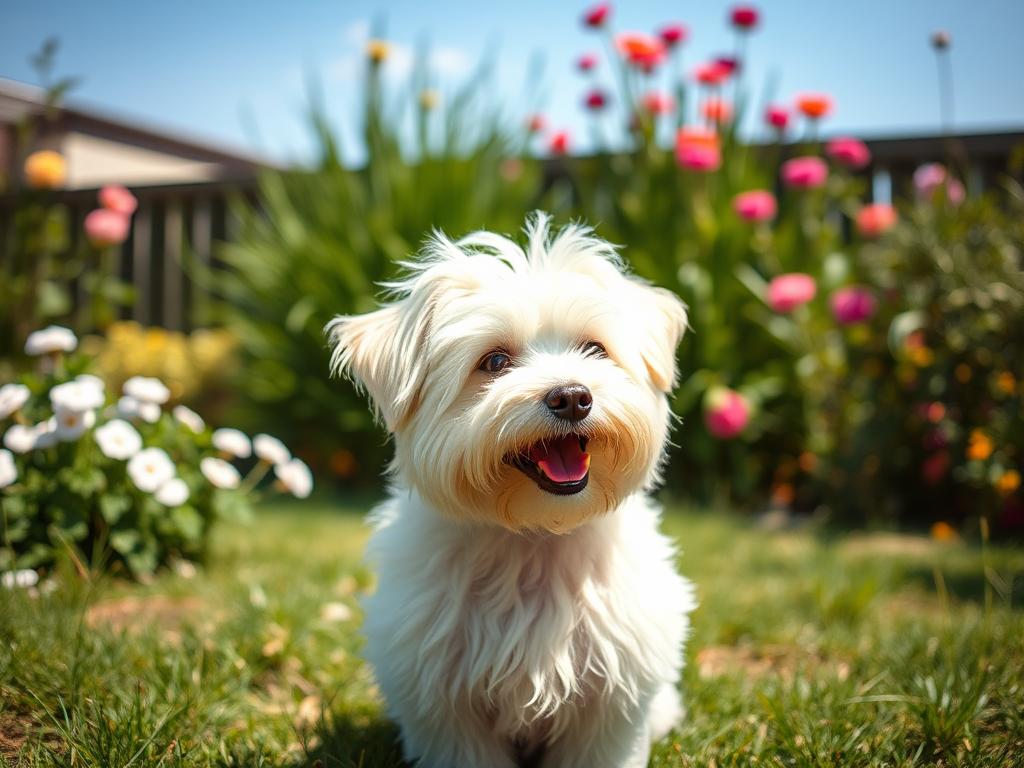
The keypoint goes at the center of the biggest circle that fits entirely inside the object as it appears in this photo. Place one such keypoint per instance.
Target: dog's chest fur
(522, 632)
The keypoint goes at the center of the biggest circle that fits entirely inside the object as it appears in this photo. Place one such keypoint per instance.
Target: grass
(866, 650)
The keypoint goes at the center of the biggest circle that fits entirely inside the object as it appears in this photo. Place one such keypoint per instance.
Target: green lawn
(874, 650)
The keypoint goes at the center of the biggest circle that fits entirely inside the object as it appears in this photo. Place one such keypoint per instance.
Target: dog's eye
(495, 362)
(594, 349)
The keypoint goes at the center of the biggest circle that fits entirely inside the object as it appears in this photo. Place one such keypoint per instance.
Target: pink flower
(586, 62)
(853, 153)
(712, 73)
(673, 34)
(116, 198)
(755, 205)
(698, 149)
(804, 172)
(928, 178)
(744, 17)
(777, 117)
(875, 219)
(105, 228)
(853, 304)
(558, 144)
(596, 100)
(717, 111)
(536, 123)
(657, 103)
(726, 412)
(597, 16)
(730, 64)
(787, 292)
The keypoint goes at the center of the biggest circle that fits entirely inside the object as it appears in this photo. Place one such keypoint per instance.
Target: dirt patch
(890, 545)
(135, 614)
(756, 663)
(15, 730)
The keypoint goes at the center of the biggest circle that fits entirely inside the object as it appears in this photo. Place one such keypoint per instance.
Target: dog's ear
(663, 320)
(381, 352)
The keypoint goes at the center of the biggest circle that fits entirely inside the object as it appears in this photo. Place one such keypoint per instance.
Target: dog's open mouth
(559, 465)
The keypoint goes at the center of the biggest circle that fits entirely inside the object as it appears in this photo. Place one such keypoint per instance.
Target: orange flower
(716, 111)
(377, 51)
(876, 219)
(814, 105)
(641, 50)
(944, 532)
(979, 446)
(45, 169)
(1008, 482)
(1006, 383)
(963, 373)
(783, 494)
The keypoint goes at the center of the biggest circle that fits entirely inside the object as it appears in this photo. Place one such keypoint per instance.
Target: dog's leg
(604, 736)
(454, 743)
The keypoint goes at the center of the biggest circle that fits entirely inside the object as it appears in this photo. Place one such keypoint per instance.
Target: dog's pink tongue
(562, 460)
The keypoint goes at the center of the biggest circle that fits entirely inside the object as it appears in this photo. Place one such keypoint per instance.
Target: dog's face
(527, 389)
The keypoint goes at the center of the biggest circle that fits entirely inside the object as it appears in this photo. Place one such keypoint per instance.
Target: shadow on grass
(347, 740)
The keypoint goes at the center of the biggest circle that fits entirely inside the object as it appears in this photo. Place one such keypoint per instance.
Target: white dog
(527, 608)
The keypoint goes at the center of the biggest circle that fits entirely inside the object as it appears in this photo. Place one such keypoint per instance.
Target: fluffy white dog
(527, 609)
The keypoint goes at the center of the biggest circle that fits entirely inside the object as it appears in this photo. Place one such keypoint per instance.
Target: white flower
(334, 612)
(20, 438)
(296, 477)
(189, 418)
(46, 433)
(12, 397)
(220, 473)
(271, 449)
(130, 408)
(77, 395)
(150, 468)
(8, 472)
(118, 439)
(146, 389)
(71, 425)
(173, 493)
(25, 578)
(233, 442)
(53, 339)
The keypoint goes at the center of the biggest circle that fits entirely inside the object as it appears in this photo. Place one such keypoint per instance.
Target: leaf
(113, 506)
(124, 541)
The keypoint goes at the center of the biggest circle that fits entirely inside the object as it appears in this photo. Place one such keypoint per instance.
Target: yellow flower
(429, 99)
(377, 51)
(979, 446)
(944, 532)
(922, 357)
(45, 169)
(1009, 482)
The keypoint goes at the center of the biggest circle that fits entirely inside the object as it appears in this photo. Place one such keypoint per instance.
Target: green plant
(128, 484)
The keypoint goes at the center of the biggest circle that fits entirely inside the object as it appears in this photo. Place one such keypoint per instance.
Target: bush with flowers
(118, 481)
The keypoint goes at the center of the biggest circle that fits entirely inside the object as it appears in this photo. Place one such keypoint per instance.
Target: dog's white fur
(509, 621)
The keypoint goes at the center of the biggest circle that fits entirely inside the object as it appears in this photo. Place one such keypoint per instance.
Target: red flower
(853, 304)
(744, 17)
(536, 123)
(853, 153)
(755, 205)
(814, 106)
(712, 73)
(641, 50)
(105, 228)
(726, 412)
(597, 16)
(935, 467)
(787, 292)
(657, 103)
(586, 62)
(114, 197)
(730, 64)
(697, 149)
(777, 117)
(558, 144)
(596, 100)
(716, 111)
(804, 172)
(875, 219)
(673, 34)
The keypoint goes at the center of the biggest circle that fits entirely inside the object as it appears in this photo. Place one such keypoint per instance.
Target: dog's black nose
(571, 402)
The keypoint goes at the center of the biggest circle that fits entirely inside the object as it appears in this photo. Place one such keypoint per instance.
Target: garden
(183, 509)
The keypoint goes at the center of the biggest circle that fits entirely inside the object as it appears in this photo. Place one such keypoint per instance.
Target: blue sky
(234, 72)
